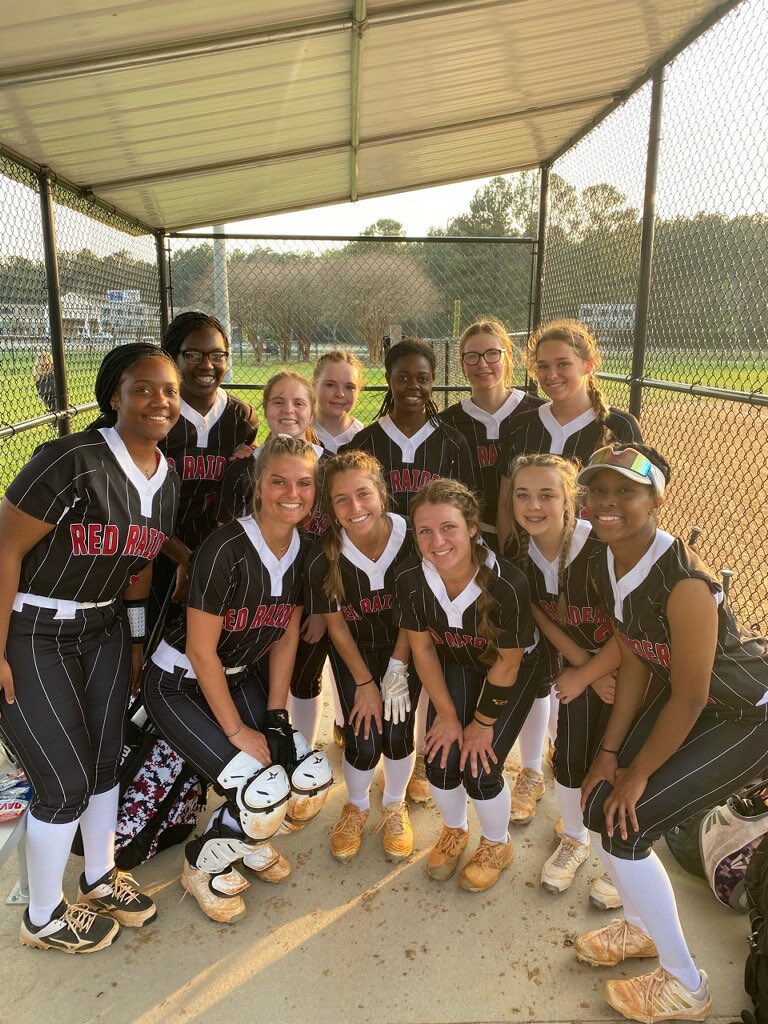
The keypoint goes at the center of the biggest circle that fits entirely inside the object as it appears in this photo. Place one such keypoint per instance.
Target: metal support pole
(643, 304)
(162, 274)
(55, 324)
(220, 277)
(541, 241)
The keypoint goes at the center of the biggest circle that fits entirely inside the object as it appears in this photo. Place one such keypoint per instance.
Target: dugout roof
(185, 113)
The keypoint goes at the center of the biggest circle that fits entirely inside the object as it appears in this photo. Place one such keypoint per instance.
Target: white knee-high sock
(48, 846)
(97, 826)
(554, 711)
(358, 784)
(420, 721)
(305, 714)
(647, 880)
(338, 714)
(396, 777)
(631, 911)
(531, 738)
(569, 802)
(494, 815)
(452, 804)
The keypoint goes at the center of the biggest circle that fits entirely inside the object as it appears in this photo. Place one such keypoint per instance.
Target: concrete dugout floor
(358, 943)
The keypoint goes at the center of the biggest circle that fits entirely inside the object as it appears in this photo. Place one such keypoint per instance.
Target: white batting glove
(394, 692)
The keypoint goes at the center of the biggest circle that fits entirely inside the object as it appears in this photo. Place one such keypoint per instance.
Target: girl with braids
(338, 380)
(563, 357)
(689, 725)
(79, 528)
(467, 616)
(414, 446)
(351, 578)
(218, 683)
(487, 417)
(290, 406)
(555, 548)
(212, 425)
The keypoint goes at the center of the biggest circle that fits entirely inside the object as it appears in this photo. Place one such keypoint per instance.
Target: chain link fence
(110, 294)
(706, 353)
(288, 300)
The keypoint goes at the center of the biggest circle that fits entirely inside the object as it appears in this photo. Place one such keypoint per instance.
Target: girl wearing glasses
(689, 724)
(414, 446)
(211, 426)
(494, 406)
(563, 356)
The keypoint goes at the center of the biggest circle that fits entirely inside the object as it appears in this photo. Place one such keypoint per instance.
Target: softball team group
(490, 574)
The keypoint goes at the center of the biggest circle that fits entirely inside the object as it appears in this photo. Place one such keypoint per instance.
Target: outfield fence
(651, 227)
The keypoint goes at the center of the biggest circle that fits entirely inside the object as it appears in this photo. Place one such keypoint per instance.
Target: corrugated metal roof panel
(191, 113)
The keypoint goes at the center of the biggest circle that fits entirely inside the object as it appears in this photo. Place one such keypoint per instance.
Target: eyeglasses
(491, 355)
(625, 458)
(193, 357)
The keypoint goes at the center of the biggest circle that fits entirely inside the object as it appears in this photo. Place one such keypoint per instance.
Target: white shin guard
(260, 794)
(310, 784)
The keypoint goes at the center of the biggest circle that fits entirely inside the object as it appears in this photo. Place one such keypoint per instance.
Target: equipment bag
(756, 968)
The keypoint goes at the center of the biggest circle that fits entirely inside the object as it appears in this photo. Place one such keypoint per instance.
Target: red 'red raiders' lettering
(656, 653)
(77, 533)
(96, 539)
(487, 455)
(203, 467)
(350, 614)
(409, 479)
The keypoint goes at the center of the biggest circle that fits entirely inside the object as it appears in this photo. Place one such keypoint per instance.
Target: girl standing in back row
(563, 356)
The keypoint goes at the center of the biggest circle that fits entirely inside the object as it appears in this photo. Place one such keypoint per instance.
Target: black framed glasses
(491, 355)
(193, 357)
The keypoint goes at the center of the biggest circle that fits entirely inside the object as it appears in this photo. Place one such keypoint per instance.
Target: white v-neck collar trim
(276, 567)
(492, 420)
(407, 445)
(622, 588)
(331, 443)
(454, 609)
(375, 571)
(147, 488)
(204, 424)
(581, 532)
(560, 432)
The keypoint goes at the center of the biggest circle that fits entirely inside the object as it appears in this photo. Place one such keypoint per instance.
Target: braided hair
(451, 492)
(274, 447)
(518, 541)
(186, 323)
(584, 344)
(113, 366)
(409, 346)
(345, 462)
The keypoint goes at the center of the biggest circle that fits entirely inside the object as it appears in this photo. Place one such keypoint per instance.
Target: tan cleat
(398, 834)
(527, 791)
(347, 833)
(339, 737)
(603, 894)
(483, 868)
(445, 855)
(218, 896)
(268, 864)
(559, 871)
(659, 996)
(418, 787)
(617, 941)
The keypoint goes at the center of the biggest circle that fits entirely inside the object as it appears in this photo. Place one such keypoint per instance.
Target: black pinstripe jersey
(199, 448)
(539, 431)
(331, 443)
(109, 520)
(638, 605)
(368, 586)
(233, 574)
(587, 621)
(236, 490)
(486, 433)
(422, 605)
(411, 462)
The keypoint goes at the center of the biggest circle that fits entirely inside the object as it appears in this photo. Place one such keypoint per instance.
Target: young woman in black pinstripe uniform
(79, 528)
(689, 724)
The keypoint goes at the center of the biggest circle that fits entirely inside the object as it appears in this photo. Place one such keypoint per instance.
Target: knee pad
(310, 784)
(259, 794)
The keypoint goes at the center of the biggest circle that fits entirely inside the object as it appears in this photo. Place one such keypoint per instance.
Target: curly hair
(409, 346)
(568, 472)
(459, 496)
(345, 462)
